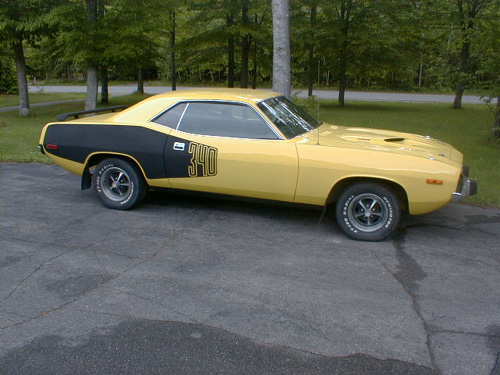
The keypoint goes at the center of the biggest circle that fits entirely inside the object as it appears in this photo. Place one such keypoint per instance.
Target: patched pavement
(192, 285)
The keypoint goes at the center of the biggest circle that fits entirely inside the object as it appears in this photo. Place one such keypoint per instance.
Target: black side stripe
(77, 141)
(160, 155)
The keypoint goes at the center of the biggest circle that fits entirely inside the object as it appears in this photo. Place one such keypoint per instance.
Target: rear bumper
(466, 188)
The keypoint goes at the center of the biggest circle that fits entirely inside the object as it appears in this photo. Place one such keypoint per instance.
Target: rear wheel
(368, 212)
(119, 184)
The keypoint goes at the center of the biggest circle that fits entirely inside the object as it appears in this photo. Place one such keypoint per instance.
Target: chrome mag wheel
(115, 184)
(368, 212)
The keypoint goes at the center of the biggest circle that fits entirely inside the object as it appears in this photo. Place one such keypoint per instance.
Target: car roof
(221, 93)
(153, 106)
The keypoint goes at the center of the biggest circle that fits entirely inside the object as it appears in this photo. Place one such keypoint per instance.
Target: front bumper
(466, 187)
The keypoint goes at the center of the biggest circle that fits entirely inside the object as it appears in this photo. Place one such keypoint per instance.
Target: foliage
(8, 82)
(369, 44)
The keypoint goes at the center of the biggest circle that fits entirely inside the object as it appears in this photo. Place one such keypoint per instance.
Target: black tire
(119, 184)
(368, 212)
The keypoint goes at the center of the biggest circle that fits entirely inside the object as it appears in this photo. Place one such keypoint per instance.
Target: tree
(281, 47)
(311, 46)
(211, 42)
(466, 13)
(21, 22)
(92, 73)
(487, 56)
(230, 45)
(8, 84)
(13, 25)
(345, 26)
(306, 35)
(466, 22)
(496, 120)
(173, 65)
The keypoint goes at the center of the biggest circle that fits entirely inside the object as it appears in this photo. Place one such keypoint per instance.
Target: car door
(229, 148)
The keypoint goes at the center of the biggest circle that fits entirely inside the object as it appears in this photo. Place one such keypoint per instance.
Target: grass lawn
(467, 129)
(13, 100)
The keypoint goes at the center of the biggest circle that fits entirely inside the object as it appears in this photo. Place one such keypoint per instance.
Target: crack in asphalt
(37, 269)
(496, 366)
(453, 332)
(47, 312)
(408, 275)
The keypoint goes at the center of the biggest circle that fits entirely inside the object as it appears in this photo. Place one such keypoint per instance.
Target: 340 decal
(203, 161)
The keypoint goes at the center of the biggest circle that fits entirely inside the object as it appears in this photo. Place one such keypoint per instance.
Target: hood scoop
(394, 139)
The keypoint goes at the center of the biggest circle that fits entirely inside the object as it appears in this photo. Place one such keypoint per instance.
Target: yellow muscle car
(258, 144)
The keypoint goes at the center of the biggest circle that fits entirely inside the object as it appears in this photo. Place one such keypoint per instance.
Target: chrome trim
(468, 188)
(182, 116)
(221, 101)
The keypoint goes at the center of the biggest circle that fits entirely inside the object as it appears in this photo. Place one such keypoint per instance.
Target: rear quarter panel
(77, 141)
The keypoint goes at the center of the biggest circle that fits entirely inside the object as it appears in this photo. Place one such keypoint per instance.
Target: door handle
(179, 146)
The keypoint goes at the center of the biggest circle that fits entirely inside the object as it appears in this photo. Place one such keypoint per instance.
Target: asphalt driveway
(191, 285)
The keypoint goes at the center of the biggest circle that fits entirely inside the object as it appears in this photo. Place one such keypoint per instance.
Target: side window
(171, 117)
(224, 120)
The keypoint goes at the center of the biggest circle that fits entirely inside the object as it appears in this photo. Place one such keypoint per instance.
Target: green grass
(468, 130)
(13, 100)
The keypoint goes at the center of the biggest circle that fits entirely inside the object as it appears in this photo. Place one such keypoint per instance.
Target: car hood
(383, 141)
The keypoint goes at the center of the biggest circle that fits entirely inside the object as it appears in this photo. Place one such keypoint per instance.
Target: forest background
(402, 45)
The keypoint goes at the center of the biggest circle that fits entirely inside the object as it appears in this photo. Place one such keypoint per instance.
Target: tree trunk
(345, 17)
(92, 87)
(140, 81)
(254, 77)
(496, 122)
(281, 47)
(104, 86)
(467, 19)
(310, 47)
(92, 77)
(22, 82)
(459, 91)
(173, 66)
(230, 53)
(245, 45)
(230, 46)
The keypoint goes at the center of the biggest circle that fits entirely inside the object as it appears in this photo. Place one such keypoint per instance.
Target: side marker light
(51, 147)
(432, 181)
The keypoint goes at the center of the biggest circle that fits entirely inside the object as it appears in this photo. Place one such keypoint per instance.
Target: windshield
(290, 119)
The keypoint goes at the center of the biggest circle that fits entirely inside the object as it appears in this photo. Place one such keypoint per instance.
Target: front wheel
(368, 212)
(119, 184)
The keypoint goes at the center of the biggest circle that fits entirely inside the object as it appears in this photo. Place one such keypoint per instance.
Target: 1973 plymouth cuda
(258, 144)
